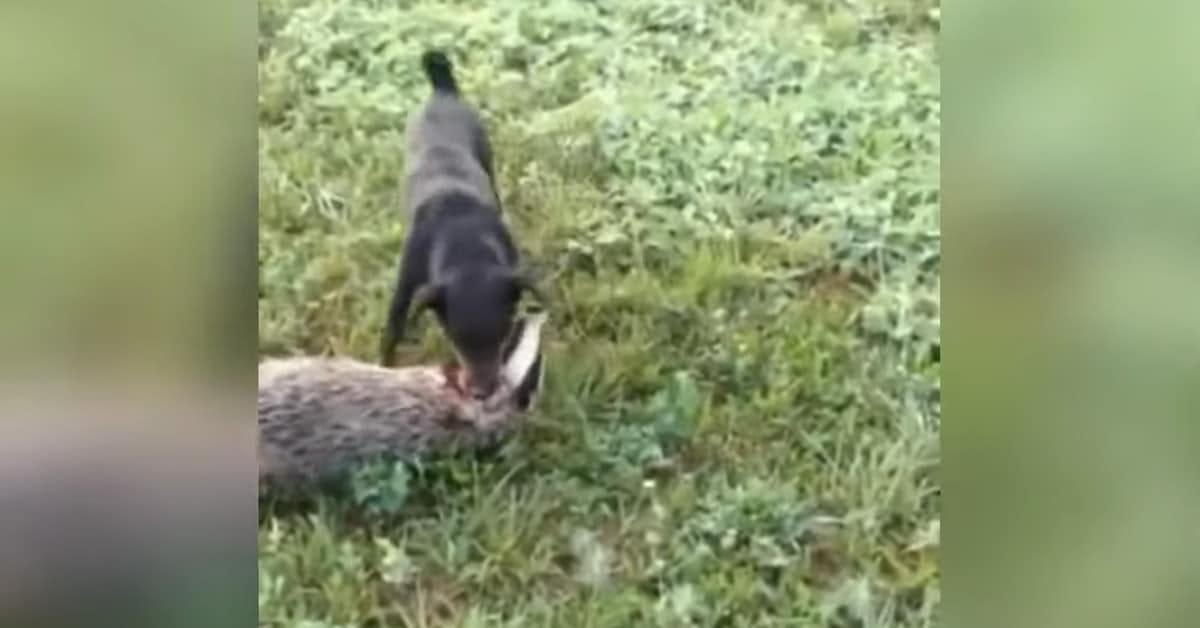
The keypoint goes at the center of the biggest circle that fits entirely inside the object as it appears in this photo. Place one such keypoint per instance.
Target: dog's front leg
(414, 271)
(397, 316)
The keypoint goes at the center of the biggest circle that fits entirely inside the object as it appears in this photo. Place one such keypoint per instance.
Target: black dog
(459, 258)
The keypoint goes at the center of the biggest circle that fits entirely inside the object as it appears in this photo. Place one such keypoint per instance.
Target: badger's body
(318, 417)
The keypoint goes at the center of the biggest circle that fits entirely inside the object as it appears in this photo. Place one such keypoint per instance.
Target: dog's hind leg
(483, 152)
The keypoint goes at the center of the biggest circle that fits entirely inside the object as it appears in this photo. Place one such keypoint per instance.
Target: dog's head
(477, 310)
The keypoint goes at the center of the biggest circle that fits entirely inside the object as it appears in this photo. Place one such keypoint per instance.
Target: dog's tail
(440, 71)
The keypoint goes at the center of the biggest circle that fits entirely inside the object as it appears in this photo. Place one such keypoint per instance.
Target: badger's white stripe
(527, 349)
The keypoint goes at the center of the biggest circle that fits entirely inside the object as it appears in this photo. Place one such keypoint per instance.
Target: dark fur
(459, 259)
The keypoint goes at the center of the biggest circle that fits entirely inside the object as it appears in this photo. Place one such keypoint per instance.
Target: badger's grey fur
(319, 416)
(316, 416)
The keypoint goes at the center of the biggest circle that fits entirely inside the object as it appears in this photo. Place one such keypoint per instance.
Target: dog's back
(448, 148)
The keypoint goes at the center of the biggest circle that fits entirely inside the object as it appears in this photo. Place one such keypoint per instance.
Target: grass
(736, 205)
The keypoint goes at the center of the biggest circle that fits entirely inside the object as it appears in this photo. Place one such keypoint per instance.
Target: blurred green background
(1072, 276)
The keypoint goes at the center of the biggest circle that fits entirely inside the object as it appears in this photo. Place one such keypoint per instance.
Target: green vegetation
(736, 207)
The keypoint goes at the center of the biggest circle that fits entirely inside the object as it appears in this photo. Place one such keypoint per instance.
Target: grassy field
(736, 207)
